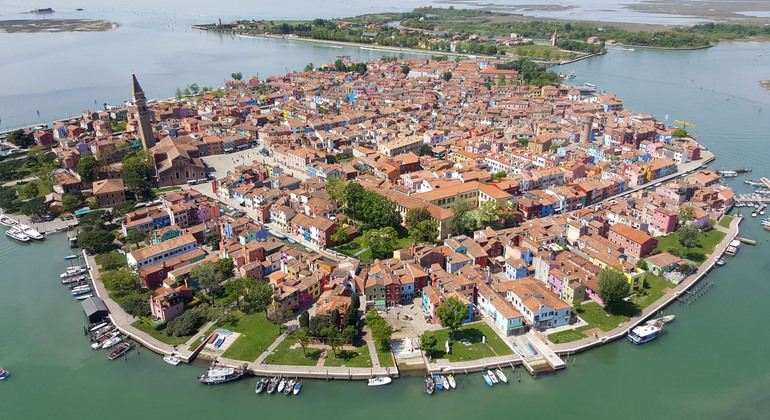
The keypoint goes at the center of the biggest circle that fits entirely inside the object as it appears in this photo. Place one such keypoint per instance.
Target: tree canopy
(381, 330)
(208, 276)
(452, 313)
(138, 176)
(613, 287)
(381, 241)
(87, 167)
(119, 279)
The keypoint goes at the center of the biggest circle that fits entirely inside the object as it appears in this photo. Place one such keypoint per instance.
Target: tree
(493, 213)
(236, 286)
(135, 236)
(189, 322)
(113, 261)
(119, 279)
(277, 315)
(452, 313)
(416, 215)
(309, 66)
(501, 80)
(688, 236)
(120, 210)
(642, 264)
(333, 339)
(30, 190)
(381, 241)
(304, 319)
(613, 287)
(447, 76)
(523, 143)
(685, 214)
(680, 132)
(236, 76)
(335, 188)
(45, 175)
(212, 240)
(19, 139)
(137, 176)
(405, 70)
(426, 150)
(136, 305)
(462, 221)
(259, 297)
(317, 324)
(499, 175)
(302, 339)
(348, 334)
(178, 94)
(208, 276)
(355, 301)
(426, 231)
(350, 318)
(342, 234)
(429, 343)
(97, 241)
(381, 330)
(195, 89)
(226, 266)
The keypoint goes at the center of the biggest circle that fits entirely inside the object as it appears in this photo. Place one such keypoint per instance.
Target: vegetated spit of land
(56, 25)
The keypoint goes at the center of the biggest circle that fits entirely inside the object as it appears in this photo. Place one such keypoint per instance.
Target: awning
(242, 146)
(265, 150)
(228, 149)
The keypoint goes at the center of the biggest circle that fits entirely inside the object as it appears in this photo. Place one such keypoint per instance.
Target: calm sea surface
(711, 363)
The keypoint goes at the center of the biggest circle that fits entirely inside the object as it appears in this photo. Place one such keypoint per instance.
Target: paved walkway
(367, 337)
(271, 347)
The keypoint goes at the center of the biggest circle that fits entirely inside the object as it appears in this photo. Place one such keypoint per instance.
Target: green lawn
(160, 335)
(284, 355)
(568, 335)
(652, 291)
(476, 350)
(707, 241)
(42, 190)
(257, 333)
(356, 245)
(117, 256)
(597, 317)
(725, 222)
(349, 358)
(385, 357)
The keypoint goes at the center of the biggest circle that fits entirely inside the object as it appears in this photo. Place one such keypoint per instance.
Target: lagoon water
(711, 363)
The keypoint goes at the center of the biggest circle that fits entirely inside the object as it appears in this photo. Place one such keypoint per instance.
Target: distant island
(56, 25)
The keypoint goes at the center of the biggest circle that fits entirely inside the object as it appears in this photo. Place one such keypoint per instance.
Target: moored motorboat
(260, 386)
(3, 374)
(272, 384)
(487, 379)
(97, 344)
(218, 375)
(173, 361)
(720, 262)
(84, 297)
(662, 320)
(123, 349)
(289, 387)
(430, 386)
(17, 235)
(733, 247)
(645, 333)
(111, 342)
(445, 382)
(73, 271)
(297, 387)
(98, 326)
(81, 291)
(382, 380)
(501, 375)
(281, 385)
(492, 376)
(437, 380)
(71, 257)
(451, 379)
(7, 221)
(31, 232)
(70, 280)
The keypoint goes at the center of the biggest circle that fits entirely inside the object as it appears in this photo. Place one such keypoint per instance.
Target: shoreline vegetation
(450, 31)
(56, 25)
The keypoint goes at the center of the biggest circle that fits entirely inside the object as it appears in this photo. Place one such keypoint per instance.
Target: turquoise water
(711, 363)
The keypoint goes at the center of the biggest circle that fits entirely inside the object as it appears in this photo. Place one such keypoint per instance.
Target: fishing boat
(452, 382)
(31, 232)
(492, 376)
(123, 349)
(261, 385)
(173, 361)
(720, 262)
(289, 387)
(272, 384)
(644, 334)
(7, 221)
(437, 380)
(445, 382)
(297, 387)
(430, 386)
(281, 385)
(3, 374)
(73, 271)
(71, 257)
(17, 235)
(217, 375)
(382, 380)
(733, 247)
(487, 379)
(501, 375)
(111, 342)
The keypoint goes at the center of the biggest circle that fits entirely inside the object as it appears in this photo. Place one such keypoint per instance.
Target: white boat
(645, 333)
(289, 387)
(492, 376)
(7, 221)
(733, 247)
(445, 382)
(111, 342)
(277, 234)
(297, 387)
(720, 262)
(452, 382)
(173, 361)
(281, 385)
(98, 343)
(84, 297)
(382, 380)
(15, 233)
(501, 375)
(73, 271)
(214, 376)
(662, 320)
(31, 232)
(98, 326)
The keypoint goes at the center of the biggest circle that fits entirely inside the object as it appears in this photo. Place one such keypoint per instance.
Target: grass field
(257, 333)
(285, 355)
(476, 350)
(652, 291)
(568, 335)
(160, 335)
(356, 245)
(349, 358)
(725, 222)
(707, 241)
(385, 357)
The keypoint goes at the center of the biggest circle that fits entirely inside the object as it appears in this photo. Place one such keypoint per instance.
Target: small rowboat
(501, 375)
(173, 361)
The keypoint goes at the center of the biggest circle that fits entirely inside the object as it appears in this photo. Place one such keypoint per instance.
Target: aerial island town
(379, 219)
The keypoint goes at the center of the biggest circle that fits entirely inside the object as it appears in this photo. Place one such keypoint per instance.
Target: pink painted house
(168, 303)
(664, 220)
